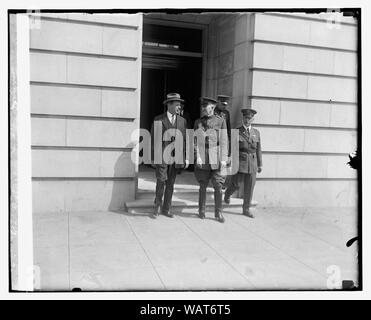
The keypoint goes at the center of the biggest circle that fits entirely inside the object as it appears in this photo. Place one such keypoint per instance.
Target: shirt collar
(247, 128)
(170, 115)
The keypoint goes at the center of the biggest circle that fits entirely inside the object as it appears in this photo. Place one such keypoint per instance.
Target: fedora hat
(173, 97)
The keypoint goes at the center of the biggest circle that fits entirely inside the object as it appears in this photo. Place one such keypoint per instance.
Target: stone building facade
(298, 71)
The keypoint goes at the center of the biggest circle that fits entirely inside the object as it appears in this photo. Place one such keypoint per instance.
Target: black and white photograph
(185, 150)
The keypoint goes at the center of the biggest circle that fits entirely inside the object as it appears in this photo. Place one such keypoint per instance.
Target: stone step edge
(179, 190)
(145, 204)
(178, 196)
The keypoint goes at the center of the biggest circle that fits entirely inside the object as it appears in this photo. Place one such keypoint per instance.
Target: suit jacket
(159, 144)
(216, 149)
(250, 154)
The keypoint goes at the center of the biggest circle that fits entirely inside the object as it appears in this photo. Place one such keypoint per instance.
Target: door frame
(24, 275)
(188, 25)
(203, 55)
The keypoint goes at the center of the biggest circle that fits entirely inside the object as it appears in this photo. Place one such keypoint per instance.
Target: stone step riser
(177, 207)
(145, 202)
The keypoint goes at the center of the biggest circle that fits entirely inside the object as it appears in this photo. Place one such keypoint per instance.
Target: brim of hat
(208, 101)
(249, 110)
(172, 99)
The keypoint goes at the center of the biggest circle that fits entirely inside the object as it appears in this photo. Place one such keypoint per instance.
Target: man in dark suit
(168, 133)
(211, 153)
(250, 161)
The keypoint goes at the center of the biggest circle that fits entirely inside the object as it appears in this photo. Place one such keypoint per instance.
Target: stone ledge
(179, 203)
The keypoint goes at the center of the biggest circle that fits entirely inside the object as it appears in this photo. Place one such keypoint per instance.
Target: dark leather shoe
(227, 199)
(168, 214)
(157, 211)
(247, 213)
(219, 217)
(201, 215)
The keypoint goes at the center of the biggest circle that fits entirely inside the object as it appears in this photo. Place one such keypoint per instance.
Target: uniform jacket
(227, 117)
(215, 149)
(165, 124)
(250, 154)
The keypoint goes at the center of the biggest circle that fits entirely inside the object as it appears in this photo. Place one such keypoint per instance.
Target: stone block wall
(300, 73)
(85, 91)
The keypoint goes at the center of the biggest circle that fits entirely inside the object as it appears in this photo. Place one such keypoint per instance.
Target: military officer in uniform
(211, 153)
(222, 111)
(165, 170)
(250, 161)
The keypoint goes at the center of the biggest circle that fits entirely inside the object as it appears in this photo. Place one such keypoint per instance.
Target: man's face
(174, 107)
(180, 110)
(222, 105)
(207, 109)
(248, 118)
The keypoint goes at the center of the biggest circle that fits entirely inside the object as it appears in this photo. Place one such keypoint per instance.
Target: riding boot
(218, 205)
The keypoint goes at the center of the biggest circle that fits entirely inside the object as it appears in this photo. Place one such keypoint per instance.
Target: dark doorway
(185, 79)
(171, 62)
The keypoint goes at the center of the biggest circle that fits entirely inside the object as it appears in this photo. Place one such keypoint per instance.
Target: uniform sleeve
(223, 142)
(228, 122)
(195, 142)
(259, 157)
(185, 145)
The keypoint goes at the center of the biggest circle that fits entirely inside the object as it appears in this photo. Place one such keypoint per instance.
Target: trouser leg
(171, 176)
(202, 199)
(161, 177)
(160, 186)
(218, 200)
(218, 181)
(249, 184)
(202, 177)
(232, 187)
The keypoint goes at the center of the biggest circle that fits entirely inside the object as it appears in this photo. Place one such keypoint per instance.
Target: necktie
(204, 122)
(173, 119)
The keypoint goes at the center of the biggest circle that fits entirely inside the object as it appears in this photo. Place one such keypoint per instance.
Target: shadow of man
(124, 184)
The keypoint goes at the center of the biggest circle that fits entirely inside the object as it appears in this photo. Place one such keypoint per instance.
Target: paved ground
(283, 248)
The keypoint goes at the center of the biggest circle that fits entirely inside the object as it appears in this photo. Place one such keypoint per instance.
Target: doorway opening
(172, 61)
(184, 79)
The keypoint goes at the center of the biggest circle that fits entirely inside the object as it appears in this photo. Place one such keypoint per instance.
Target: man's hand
(260, 169)
(186, 164)
(199, 161)
(223, 164)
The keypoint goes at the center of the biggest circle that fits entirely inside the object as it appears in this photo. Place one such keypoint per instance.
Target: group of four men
(214, 116)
